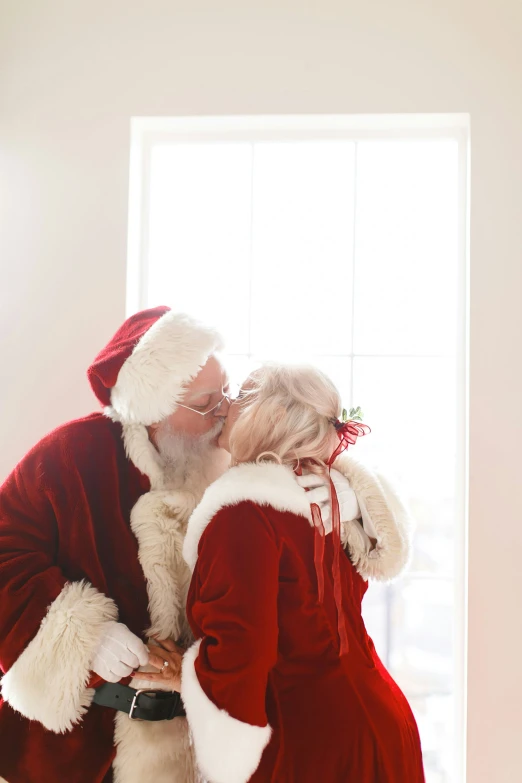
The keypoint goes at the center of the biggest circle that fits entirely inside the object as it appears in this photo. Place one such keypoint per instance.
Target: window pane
(258, 238)
(302, 248)
(375, 609)
(410, 406)
(436, 520)
(199, 234)
(422, 642)
(239, 367)
(434, 716)
(406, 247)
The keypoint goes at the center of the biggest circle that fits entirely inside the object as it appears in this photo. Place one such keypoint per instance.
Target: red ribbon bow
(348, 432)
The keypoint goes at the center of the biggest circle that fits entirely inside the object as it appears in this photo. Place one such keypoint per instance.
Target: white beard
(191, 462)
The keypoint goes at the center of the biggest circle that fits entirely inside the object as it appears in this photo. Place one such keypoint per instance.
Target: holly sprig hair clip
(349, 427)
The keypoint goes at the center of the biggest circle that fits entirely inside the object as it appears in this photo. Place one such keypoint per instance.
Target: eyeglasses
(229, 397)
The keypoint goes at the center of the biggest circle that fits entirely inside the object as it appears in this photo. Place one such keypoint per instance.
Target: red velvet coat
(268, 697)
(64, 518)
(82, 540)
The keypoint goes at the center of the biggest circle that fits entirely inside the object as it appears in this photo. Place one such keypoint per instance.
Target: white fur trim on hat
(48, 682)
(227, 750)
(153, 379)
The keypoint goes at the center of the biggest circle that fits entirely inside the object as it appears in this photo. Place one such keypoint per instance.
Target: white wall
(72, 74)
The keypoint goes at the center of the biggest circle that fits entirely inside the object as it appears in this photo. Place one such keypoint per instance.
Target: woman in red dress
(283, 683)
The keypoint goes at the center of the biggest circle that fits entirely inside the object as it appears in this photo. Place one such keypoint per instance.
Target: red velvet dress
(268, 656)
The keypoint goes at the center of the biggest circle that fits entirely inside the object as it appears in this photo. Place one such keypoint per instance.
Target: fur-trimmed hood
(270, 484)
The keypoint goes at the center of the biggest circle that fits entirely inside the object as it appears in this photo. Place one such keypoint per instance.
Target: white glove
(318, 491)
(119, 653)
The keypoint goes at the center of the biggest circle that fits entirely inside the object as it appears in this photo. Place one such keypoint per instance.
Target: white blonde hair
(287, 416)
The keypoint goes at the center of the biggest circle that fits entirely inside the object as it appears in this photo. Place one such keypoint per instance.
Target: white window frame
(148, 131)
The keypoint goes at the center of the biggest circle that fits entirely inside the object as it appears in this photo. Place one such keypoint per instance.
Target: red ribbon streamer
(338, 592)
(348, 432)
(319, 542)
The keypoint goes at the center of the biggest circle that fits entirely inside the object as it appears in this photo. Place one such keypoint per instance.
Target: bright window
(340, 241)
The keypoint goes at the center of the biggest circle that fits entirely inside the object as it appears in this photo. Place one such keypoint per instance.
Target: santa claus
(92, 523)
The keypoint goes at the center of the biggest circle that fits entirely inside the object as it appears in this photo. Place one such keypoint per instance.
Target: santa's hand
(348, 503)
(318, 491)
(119, 653)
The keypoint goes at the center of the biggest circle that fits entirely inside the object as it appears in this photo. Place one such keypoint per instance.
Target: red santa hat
(143, 371)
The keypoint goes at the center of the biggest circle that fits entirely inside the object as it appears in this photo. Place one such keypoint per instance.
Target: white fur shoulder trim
(275, 485)
(48, 682)
(227, 750)
(267, 484)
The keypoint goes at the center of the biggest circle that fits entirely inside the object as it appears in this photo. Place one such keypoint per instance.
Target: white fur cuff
(48, 682)
(227, 750)
(384, 515)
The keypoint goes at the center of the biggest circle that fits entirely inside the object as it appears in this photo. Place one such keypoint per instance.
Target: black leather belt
(142, 704)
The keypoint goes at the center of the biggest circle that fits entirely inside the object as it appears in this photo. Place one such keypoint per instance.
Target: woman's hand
(165, 656)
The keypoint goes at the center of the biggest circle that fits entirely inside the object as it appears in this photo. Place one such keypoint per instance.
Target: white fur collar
(266, 484)
(275, 485)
